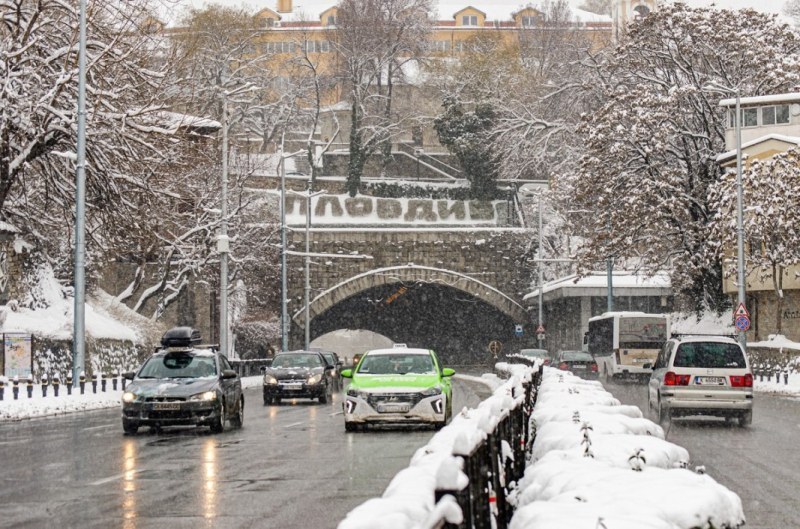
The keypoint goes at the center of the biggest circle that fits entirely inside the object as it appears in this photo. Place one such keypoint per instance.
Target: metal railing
(249, 368)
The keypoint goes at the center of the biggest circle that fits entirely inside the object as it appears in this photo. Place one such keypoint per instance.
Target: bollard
(124, 382)
(82, 382)
(103, 381)
(44, 385)
(69, 383)
(2, 388)
(56, 384)
(786, 378)
(94, 382)
(29, 386)
(15, 389)
(777, 377)
(115, 375)
(761, 374)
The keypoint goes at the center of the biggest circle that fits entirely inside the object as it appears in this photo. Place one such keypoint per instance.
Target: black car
(296, 374)
(183, 383)
(334, 360)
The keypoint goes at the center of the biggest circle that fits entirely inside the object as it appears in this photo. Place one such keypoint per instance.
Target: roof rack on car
(181, 337)
(678, 334)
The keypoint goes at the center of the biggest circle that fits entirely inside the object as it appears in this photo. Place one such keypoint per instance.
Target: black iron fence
(249, 368)
(490, 469)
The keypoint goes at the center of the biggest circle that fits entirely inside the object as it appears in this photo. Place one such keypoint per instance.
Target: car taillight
(671, 379)
(745, 381)
(563, 366)
(547, 361)
(594, 367)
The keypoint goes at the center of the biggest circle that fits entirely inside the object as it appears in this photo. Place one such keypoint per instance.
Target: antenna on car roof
(678, 334)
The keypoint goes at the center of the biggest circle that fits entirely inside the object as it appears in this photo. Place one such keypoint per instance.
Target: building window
(782, 114)
(641, 12)
(268, 22)
(458, 46)
(749, 117)
(469, 20)
(331, 20)
(441, 46)
(529, 22)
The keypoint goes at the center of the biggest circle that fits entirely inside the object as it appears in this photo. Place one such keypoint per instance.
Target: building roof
(792, 97)
(596, 284)
(792, 141)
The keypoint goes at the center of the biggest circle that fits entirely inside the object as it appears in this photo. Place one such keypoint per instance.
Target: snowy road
(760, 463)
(291, 466)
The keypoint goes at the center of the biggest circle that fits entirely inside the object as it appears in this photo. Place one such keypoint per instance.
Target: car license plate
(393, 408)
(292, 387)
(167, 406)
(711, 381)
(578, 367)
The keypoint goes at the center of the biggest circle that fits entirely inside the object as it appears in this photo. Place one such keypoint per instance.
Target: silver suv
(702, 375)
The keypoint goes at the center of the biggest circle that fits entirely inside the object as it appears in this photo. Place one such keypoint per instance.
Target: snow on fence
(598, 464)
(461, 477)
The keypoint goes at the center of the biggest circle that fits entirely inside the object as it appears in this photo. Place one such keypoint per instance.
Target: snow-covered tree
(375, 40)
(771, 221)
(642, 188)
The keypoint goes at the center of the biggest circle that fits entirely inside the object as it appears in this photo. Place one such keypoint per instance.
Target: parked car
(298, 374)
(580, 363)
(397, 386)
(702, 375)
(183, 383)
(336, 375)
(542, 354)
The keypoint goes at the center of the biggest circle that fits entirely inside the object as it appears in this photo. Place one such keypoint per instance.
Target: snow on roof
(776, 341)
(627, 314)
(399, 350)
(760, 100)
(176, 119)
(629, 280)
(795, 140)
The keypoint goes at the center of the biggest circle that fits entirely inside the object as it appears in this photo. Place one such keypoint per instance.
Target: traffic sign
(540, 329)
(540, 336)
(741, 310)
(518, 329)
(743, 323)
(495, 347)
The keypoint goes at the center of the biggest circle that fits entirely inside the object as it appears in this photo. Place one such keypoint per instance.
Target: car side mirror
(263, 369)
(347, 373)
(447, 372)
(228, 374)
(328, 367)
(128, 375)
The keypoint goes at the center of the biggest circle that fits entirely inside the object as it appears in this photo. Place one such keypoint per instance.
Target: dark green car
(398, 386)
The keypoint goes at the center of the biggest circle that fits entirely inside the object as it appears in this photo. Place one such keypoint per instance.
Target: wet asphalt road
(291, 466)
(760, 463)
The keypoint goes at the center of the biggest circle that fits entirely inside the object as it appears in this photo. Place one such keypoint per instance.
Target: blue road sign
(742, 322)
(518, 329)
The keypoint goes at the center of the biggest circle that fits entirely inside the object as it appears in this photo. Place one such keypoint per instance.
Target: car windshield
(534, 353)
(709, 355)
(397, 364)
(297, 360)
(580, 356)
(179, 365)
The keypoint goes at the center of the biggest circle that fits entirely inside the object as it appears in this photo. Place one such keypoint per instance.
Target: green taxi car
(398, 386)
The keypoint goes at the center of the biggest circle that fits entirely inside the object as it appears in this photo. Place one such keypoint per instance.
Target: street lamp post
(284, 315)
(79, 308)
(223, 243)
(541, 276)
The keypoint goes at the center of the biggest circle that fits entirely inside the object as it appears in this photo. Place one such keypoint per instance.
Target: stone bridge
(440, 273)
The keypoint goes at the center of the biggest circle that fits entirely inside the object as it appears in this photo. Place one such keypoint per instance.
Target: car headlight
(128, 396)
(314, 379)
(357, 393)
(269, 379)
(205, 396)
(435, 390)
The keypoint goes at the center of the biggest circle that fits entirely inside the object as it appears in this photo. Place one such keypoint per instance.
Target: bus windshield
(642, 333)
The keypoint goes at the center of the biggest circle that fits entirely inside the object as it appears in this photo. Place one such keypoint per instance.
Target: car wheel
(276, 400)
(746, 419)
(323, 399)
(218, 426)
(238, 420)
(267, 398)
(350, 427)
(129, 427)
(662, 414)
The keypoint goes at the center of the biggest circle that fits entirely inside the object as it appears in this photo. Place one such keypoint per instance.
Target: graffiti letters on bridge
(337, 210)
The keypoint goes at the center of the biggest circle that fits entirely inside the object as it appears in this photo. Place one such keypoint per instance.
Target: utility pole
(541, 274)
(284, 292)
(610, 273)
(309, 195)
(79, 309)
(739, 215)
(223, 243)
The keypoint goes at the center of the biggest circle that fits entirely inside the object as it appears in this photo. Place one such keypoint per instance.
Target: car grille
(165, 399)
(381, 398)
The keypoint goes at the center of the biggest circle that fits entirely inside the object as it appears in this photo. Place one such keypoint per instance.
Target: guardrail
(494, 464)
(249, 368)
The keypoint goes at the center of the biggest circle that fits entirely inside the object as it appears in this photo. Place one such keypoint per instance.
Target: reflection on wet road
(760, 463)
(291, 466)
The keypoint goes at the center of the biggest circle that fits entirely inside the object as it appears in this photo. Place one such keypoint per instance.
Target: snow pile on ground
(408, 501)
(39, 406)
(596, 463)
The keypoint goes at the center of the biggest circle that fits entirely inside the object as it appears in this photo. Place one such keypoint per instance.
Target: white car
(702, 375)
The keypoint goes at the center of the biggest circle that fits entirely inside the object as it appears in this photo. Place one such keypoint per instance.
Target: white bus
(626, 343)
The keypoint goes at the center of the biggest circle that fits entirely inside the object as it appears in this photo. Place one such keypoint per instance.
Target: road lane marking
(112, 478)
(336, 413)
(294, 424)
(98, 427)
